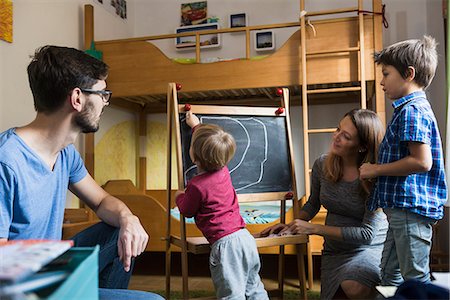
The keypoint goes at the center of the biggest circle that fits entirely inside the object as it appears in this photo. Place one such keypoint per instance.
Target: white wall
(37, 23)
(411, 19)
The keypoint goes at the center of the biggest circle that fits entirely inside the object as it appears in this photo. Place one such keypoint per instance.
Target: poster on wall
(121, 8)
(193, 13)
(116, 7)
(6, 20)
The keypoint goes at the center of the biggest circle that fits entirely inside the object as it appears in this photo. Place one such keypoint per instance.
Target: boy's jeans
(406, 252)
(111, 272)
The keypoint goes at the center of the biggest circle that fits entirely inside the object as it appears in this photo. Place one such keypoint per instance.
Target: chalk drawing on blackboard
(242, 145)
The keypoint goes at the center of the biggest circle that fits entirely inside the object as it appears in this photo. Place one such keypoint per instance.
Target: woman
(353, 235)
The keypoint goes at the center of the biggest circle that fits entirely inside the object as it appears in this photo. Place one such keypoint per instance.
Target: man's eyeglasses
(106, 94)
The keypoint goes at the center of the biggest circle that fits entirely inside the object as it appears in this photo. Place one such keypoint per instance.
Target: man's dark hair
(55, 71)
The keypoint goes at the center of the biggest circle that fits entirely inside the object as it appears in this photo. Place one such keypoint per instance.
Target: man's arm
(419, 160)
(132, 236)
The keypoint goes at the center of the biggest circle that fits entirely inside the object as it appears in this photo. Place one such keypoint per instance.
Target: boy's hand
(367, 171)
(191, 119)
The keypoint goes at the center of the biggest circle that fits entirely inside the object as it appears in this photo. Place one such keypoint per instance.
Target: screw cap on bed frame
(279, 111)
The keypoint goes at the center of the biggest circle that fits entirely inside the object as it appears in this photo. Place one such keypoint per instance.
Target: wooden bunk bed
(140, 72)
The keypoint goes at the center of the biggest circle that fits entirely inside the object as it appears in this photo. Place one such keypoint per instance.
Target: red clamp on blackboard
(178, 86)
(279, 91)
(279, 111)
(289, 195)
(187, 107)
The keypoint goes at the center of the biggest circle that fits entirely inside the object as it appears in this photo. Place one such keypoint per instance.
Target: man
(38, 162)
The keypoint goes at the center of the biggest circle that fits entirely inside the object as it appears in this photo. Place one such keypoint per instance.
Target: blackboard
(261, 162)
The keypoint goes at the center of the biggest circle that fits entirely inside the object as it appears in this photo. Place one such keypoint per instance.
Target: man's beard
(84, 119)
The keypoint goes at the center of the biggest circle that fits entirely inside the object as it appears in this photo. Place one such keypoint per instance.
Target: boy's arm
(419, 160)
(188, 202)
(192, 120)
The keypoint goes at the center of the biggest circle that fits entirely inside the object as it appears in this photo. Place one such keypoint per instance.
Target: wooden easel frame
(173, 126)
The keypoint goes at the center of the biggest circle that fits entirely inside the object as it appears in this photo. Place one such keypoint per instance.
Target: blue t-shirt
(33, 197)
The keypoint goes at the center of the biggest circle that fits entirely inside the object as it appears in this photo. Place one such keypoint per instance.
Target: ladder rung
(321, 130)
(335, 51)
(332, 11)
(335, 90)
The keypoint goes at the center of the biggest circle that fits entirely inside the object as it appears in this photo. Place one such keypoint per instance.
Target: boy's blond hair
(212, 147)
(419, 54)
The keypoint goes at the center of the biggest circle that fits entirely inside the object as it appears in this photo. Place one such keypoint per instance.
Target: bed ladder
(305, 92)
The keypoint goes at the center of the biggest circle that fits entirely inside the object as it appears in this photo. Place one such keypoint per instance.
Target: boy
(411, 185)
(212, 200)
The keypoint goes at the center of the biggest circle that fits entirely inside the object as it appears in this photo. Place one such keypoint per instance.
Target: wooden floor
(149, 274)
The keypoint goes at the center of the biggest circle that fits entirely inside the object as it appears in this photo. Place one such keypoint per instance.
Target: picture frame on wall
(206, 41)
(238, 20)
(264, 40)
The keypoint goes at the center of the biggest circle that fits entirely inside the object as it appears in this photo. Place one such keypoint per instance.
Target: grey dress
(358, 256)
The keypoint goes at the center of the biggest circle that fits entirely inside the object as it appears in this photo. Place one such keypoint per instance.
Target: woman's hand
(299, 227)
(191, 119)
(275, 229)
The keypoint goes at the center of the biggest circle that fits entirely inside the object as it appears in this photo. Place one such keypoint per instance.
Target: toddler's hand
(191, 119)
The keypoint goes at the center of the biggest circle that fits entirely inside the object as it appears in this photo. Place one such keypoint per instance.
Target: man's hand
(191, 119)
(132, 240)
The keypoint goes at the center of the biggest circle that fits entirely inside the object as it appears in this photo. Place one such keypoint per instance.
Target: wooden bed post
(362, 64)
(169, 187)
(173, 125)
(378, 45)
(304, 83)
(89, 142)
(285, 102)
(88, 39)
(141, 171)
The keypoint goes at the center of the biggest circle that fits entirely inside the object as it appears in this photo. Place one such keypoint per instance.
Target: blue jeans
(106, 294)
(406, 252)
(111, 272)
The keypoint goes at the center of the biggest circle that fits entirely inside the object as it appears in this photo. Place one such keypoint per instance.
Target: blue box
(82, 283)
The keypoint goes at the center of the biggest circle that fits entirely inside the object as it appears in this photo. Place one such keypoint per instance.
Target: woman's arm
(364, 234)
(309, 210)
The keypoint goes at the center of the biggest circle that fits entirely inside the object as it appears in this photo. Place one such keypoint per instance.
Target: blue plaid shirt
(422, 193)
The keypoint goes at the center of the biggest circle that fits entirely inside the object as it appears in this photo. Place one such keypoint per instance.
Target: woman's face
(345, 141)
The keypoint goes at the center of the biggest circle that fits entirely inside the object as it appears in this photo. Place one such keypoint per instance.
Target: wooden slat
(231, 110)
(261, 197)
(332, 12)
(322, 130)
(335, 90)
(281, 240)
(333, 51)
(202, 32)
(199, 245)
